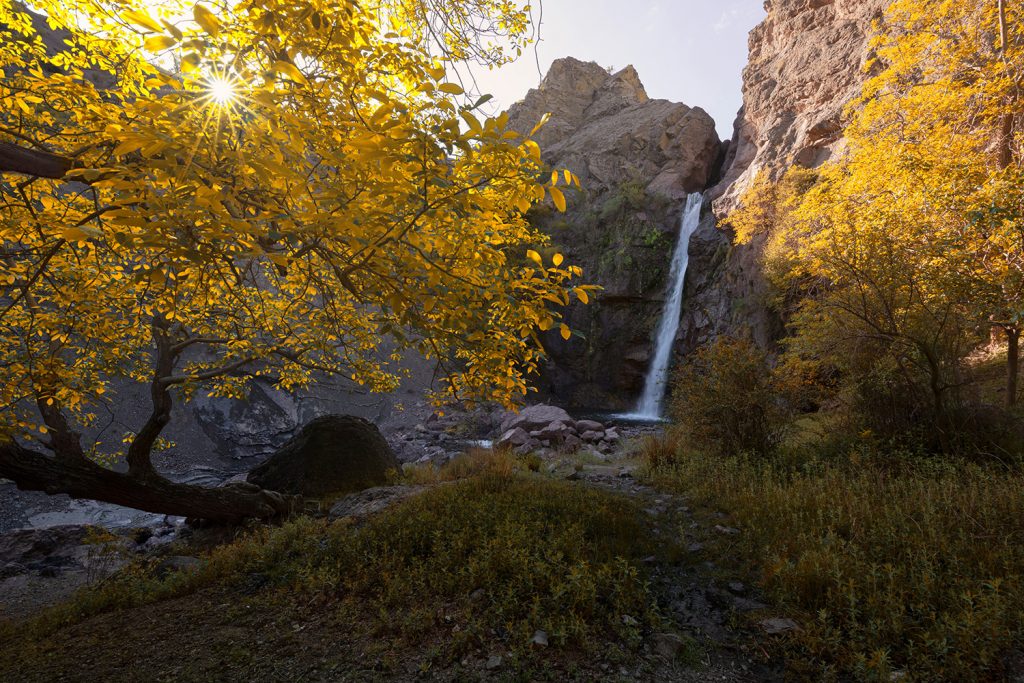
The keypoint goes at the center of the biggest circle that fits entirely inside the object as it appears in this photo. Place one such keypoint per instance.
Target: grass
(466, 569)
(894, 566)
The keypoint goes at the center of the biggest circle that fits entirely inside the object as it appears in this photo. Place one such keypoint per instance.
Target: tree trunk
(1012, 365)
(81, 478)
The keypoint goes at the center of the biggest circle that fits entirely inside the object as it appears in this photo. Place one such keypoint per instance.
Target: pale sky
(690, 51)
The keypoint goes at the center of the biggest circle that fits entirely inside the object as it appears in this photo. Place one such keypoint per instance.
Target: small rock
(737, 587)
(493, 662)
(591, 436)
(726, 530)
(668, 645)
(747, 605)
(572, 443)
(589, 426)
(629, 621)
(695, 547)
(650, 559)
(515, 437)
(540, 639)
(478, 595)
(778, 625)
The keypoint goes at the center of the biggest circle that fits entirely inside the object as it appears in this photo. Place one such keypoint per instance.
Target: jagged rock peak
(606, 129)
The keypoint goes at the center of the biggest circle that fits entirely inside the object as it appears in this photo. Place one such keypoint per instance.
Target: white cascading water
(650, 404)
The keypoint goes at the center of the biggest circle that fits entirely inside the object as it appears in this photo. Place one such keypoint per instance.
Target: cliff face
(637, 158)
(806, 63)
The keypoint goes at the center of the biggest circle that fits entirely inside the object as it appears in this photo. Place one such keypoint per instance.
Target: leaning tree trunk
(82, 478)
(1012, 365)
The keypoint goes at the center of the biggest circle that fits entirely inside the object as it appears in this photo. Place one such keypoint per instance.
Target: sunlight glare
(222, 90)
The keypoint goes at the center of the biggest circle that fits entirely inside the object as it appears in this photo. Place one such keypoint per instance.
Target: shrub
(890, 562)
(726, 400)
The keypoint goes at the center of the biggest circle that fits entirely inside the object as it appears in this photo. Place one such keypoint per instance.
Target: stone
(332, 454)
(534, 418)
(778, 626)
(668, 645)
(516, 436)
(726, 530)
(556, 431)
(572, 443)
(589, 426)
(540, 639)
(494, 662)
(592, 436)
(737, 587)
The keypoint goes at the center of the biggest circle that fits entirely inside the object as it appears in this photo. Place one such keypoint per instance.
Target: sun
(222, 90)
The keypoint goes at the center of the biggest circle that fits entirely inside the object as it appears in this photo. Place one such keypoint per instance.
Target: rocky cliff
(637, 159)
(806, 63)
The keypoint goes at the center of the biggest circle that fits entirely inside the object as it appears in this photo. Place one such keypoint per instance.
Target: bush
(726, 400)
(889, 561)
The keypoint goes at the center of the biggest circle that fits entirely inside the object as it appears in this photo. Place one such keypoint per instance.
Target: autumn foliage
(199, 195)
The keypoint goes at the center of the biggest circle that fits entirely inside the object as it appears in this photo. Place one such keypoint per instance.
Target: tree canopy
(194, 195)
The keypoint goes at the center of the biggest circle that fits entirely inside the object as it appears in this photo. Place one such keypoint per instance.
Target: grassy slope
(434, 586)
(893, 565)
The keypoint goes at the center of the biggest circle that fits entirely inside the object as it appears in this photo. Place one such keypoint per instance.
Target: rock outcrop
(807, 62)
(605, 129)
(637, 159)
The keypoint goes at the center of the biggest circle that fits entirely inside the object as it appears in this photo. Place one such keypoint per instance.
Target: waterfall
(650, 404)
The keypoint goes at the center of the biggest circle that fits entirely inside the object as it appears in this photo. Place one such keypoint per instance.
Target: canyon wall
(807, 62)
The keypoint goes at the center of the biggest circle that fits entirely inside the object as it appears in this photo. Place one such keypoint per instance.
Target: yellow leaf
(568, 176)
(142, 19)
(557, 260)
(557, 197)
(159, 43)
(207, 20)
(535, 257)
(565, 331)
(290, 70)
(74, 234)
(451, 88)
(582, 295)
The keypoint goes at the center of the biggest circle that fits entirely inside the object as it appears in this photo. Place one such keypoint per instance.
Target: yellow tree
(914, 235)
(193, 196)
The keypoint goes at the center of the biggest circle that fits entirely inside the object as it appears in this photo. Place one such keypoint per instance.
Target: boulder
(332, 454)
(589, 426)
(535, 418)
(515, 437)
(592, 436)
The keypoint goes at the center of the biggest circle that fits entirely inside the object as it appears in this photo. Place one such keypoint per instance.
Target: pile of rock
(543, 426)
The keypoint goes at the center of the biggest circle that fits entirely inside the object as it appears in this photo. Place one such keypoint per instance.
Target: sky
(690, 51)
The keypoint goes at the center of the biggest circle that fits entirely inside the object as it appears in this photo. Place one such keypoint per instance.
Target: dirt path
(691, 590)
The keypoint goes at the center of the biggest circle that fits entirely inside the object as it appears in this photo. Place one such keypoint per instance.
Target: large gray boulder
(332, 454)
(535, 417)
